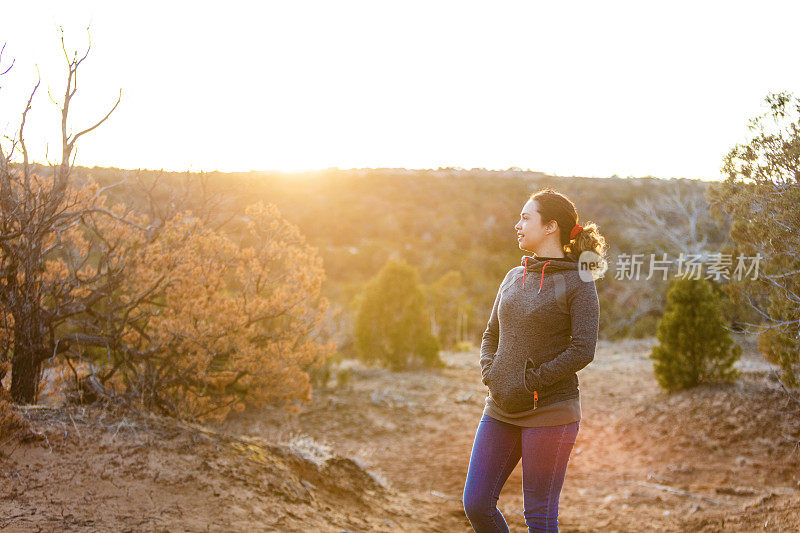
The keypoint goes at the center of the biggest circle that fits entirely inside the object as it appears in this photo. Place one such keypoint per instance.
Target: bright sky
(569, 88)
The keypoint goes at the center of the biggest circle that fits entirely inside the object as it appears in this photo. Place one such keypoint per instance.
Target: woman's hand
(532, 381)
(487, 377)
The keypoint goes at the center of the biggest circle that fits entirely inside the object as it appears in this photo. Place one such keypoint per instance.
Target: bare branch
(87, 130)
(22, 127)
(1, 59)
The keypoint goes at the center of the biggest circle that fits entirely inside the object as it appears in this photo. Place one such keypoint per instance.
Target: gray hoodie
(543, 328)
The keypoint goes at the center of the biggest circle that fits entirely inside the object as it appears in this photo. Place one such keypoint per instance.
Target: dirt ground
(388, 451)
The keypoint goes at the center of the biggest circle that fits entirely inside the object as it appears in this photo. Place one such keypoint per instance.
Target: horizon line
(512, 169)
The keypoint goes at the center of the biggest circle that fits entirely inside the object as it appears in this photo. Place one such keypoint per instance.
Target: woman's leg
(545, 454)
(495, 452)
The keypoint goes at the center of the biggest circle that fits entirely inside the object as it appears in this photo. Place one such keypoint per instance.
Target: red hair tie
(577, 229)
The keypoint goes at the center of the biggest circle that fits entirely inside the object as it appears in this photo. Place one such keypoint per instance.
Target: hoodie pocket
(507, 387)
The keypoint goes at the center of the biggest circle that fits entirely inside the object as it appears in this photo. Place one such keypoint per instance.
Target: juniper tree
(393, 325)
(762, 193)
(694, 345)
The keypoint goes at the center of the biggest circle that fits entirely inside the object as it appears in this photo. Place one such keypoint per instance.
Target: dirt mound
(102, 470)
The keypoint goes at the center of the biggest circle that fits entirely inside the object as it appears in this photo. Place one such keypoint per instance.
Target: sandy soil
(389, 452)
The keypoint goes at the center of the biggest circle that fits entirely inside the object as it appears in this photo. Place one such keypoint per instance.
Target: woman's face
(531, 233)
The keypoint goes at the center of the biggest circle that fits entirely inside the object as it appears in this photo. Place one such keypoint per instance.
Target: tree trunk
(24, 376)
(25, 366)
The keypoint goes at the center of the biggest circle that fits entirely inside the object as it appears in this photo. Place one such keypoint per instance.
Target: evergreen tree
(761, 193)
(393, 324)
(694, 346)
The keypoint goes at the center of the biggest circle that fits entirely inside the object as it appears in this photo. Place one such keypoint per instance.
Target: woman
(542, 329)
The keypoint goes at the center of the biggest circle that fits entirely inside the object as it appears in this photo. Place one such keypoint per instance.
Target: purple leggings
(496, 451)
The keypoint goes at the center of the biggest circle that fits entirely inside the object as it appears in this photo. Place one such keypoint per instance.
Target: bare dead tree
(671, 223)
(34, 209)
(674, 220)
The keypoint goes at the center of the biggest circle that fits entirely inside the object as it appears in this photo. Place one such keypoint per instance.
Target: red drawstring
(526, 270)
(542, 277)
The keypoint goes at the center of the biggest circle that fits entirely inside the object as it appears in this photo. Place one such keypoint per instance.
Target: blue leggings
(496, 451)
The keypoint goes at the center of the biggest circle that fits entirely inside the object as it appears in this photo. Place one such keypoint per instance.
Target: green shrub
(393, 325)
(694, 346)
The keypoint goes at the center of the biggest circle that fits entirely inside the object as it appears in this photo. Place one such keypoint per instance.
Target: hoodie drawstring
(524, 270)
(541, 281)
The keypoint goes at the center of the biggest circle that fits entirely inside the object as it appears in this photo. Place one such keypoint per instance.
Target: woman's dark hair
(552, 205)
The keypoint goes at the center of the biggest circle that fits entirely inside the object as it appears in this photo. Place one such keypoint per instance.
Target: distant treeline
(463, 220)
